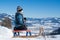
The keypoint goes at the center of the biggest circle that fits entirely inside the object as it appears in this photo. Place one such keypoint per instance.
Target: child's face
(22, 11)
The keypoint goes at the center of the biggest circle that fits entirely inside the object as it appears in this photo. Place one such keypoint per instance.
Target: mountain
(5, 20)
(31, 21)
(52, 19)
(7, 34)
(49, 24)
(55, 32)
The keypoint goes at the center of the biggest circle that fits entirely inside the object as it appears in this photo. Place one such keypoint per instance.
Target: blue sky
(32, 8)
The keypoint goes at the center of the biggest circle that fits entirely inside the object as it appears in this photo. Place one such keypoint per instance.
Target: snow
(29, 21)
(0, 20)
(6, 34)
(10, 17)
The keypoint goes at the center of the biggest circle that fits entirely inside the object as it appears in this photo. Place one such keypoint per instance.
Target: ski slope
(6, 34)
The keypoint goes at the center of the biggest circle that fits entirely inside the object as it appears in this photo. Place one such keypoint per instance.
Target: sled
(33, 36)
(21, 30)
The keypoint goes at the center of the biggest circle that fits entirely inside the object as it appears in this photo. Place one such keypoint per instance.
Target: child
(19, 20)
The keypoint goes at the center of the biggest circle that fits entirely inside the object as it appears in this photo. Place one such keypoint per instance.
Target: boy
(19, 21)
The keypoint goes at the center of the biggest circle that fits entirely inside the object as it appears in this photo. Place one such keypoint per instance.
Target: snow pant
(19, 28)
(16, 34)
(27, 33)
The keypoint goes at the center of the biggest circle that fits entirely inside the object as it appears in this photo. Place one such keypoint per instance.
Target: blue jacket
(19, 19)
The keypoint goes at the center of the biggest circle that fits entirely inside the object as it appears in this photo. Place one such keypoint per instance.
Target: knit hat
(19, 8)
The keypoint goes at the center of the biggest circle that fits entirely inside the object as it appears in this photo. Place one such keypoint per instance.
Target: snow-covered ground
(6, 34)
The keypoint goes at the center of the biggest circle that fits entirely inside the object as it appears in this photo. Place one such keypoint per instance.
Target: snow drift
(5, 32)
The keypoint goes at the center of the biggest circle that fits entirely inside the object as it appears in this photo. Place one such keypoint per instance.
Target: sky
(32, 8)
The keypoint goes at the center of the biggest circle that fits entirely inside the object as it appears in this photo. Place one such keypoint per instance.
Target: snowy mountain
(6, 34)
(51, 23)
(34, 20)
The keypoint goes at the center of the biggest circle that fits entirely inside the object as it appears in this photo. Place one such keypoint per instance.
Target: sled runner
(26, 36)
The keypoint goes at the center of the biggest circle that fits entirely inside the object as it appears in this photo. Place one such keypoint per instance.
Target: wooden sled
(32, 36)
(26, 36)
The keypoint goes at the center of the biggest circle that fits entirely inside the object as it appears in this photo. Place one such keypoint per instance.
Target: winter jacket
(19, 22)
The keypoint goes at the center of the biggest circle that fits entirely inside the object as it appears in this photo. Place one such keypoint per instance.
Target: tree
(7, 22)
